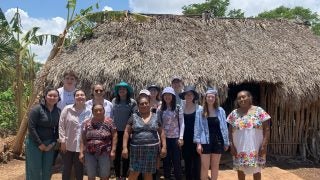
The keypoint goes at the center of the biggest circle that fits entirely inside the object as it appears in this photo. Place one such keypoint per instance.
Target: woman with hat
(189, 153)
(171, 116)
(211, 134)
(154, 97)
(123, 107)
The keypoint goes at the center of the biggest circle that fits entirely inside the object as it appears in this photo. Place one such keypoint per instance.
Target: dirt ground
(285, 170)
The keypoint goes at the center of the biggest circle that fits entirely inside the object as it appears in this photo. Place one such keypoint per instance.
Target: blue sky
(54, 8)
(50, 15)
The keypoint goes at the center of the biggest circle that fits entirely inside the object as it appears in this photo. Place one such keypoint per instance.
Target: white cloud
(254, 7)
(250, 7)
(160, 7)
(107, 8)
(47, 26)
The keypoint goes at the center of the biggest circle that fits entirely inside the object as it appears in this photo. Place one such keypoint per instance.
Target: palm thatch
(218, 52)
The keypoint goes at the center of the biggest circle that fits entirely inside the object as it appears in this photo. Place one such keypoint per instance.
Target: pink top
(70, 126)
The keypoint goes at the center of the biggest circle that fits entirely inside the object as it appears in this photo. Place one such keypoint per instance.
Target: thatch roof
(220, 52)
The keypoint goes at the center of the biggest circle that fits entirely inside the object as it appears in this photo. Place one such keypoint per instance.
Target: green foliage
(236, 13)
(298, 13)
(81, 25)
(8, 111)
(316, 28)
(217, 7)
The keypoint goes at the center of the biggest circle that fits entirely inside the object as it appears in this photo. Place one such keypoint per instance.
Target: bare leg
(241, 175)
(215, 160)
(205, 161)
(257, 176)
(133, 175)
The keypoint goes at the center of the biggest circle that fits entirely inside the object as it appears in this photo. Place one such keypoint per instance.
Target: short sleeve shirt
(251, 120)
(97, 136)
(144, 133)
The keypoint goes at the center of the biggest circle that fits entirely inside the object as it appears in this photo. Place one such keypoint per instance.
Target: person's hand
(42, 147)
(225, 148)
(81, 157)
(163, 152)
(113, 154)
(125, 153)
(50, 146)
(199, 149)
(63, 147)
(233, 150)
(263, 151)
(180, 142)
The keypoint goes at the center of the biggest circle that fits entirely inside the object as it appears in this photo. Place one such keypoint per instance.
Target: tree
(217, 7)
(236, 13)
(59, 43)
(299, 13)
(21, 56)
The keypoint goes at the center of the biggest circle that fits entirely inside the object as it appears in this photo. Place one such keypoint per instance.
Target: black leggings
(72, 159)
(118, 159)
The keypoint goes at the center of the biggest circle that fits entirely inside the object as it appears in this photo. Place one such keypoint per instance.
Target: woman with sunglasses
(98, 93)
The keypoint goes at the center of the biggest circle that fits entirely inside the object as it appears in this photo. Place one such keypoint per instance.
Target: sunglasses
(98, 90)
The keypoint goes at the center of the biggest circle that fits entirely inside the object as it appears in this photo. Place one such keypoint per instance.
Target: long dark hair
(45, 93)
(164, 104)
(128, 98)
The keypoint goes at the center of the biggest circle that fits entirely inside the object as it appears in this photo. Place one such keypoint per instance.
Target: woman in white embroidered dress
(249, 134)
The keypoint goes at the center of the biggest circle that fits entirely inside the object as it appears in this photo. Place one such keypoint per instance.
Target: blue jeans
(173, 157)
(38, 163)
(94, 162)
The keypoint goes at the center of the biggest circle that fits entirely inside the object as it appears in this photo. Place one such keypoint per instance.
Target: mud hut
(277, 60)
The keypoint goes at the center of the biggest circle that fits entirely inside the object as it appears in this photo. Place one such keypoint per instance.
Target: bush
(8, 112)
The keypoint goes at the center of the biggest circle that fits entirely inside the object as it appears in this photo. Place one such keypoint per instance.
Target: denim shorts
(96, 163)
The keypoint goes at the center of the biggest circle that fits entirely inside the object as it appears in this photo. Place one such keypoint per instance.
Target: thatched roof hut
(279, 58)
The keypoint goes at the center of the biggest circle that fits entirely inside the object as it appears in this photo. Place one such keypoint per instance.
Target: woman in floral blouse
(249, 134)
(98, 143)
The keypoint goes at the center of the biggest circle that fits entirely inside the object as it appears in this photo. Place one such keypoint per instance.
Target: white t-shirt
(66, 97)
(106, 104)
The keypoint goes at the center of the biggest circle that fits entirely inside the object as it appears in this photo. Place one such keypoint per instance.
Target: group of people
(138, 134)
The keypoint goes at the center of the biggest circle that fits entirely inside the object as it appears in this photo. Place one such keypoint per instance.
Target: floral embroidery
(248, 159)
(249, 121)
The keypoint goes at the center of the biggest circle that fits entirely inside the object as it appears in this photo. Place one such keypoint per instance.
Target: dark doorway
(253, 88)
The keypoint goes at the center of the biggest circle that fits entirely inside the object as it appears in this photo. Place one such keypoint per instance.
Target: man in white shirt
(66, 92)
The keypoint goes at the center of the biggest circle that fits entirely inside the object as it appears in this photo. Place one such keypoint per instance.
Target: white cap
(169, 90)
(145, 91)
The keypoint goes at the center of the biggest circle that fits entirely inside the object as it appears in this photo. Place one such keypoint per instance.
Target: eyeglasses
(98, 90)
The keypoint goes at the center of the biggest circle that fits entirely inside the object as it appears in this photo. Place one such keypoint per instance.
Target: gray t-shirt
(144, 133)
(121, 112)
